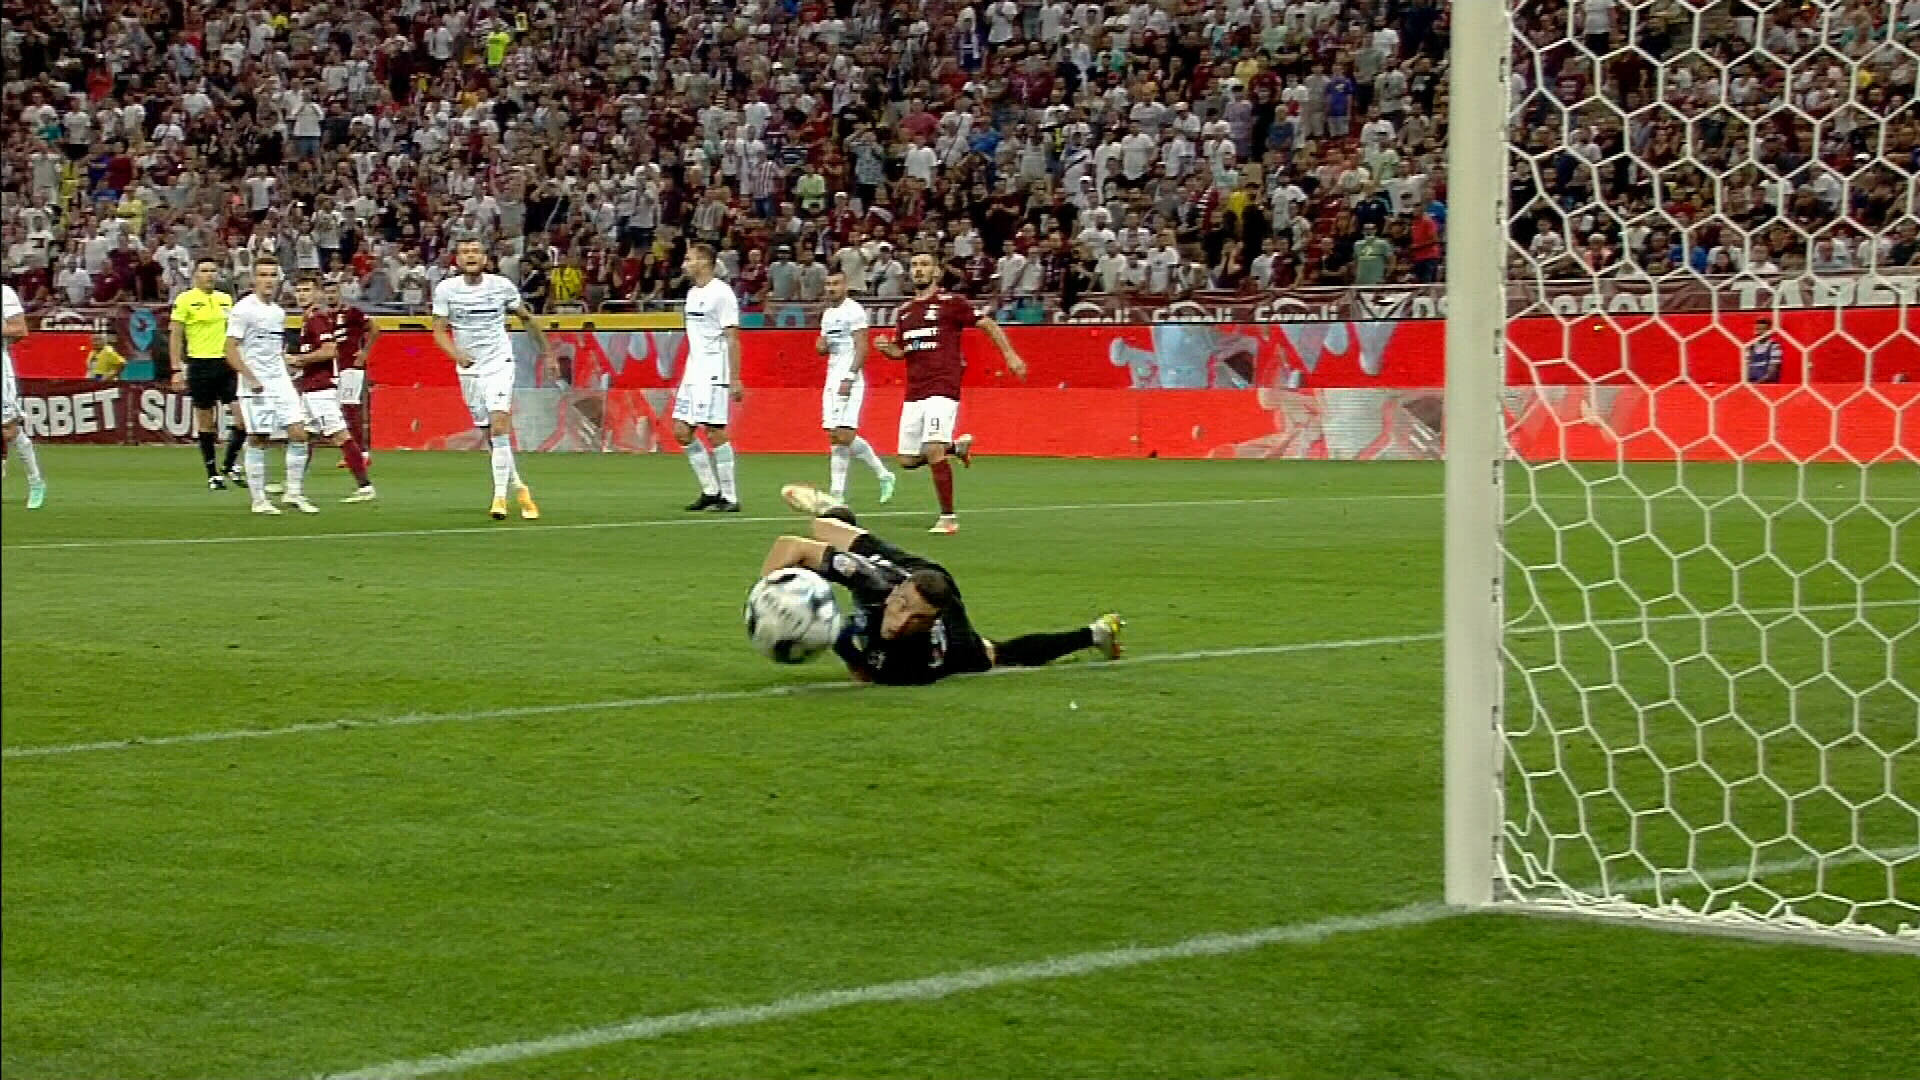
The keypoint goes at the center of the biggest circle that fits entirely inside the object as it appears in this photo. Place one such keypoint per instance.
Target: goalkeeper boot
(809, 500)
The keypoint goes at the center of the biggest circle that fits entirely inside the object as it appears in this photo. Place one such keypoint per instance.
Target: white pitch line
(13, 753)
(711, 519)
(935, 987)
(707, 519)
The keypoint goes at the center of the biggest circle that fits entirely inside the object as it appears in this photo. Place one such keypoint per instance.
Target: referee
(197, 344)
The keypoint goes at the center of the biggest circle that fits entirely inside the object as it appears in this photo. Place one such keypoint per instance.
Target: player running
(270, 407)
(197, 345)
(909, 626)
(13, 327)
(321, 334)
(843, 341)
(710, 385)
(930, 326)
(470, 324)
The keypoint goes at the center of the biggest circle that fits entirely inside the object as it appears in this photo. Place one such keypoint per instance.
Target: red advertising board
(80, 410)
(1812, 422)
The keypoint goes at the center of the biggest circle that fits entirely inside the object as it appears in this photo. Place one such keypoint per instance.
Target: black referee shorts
(211, 383)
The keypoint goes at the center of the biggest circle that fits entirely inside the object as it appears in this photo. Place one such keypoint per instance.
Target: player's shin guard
(702, 463)
(236, 438)
(1033, 650)
(723, 467)
(297, 458)
(864, 453)
(840, 460)
(503, 471)
(943, 484)
(29, 460)
(257, 472)
(356, 461)
(209, 449)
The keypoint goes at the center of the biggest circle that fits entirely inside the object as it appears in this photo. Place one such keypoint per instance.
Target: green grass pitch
(540, 785)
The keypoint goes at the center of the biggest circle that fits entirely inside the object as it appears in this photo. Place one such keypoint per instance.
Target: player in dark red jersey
(317, 357)
(356, 335)
(909, 626)
(929, 331)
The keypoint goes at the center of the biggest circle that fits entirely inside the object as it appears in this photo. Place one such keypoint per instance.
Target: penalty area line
(519, 712)
(1073, 965)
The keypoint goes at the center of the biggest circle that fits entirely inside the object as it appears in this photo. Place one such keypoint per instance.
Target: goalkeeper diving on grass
(909, 626)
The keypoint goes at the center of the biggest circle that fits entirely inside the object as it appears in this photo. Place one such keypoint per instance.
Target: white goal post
(1682, 595)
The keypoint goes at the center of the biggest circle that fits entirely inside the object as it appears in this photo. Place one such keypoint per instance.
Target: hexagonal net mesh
(1712, 535)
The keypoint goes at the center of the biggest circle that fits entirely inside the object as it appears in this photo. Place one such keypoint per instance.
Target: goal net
(1708, 590)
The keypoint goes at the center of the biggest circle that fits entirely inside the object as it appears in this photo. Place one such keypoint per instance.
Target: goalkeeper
(909, 626)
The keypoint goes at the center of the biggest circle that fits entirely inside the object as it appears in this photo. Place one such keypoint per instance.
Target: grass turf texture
(336, 899)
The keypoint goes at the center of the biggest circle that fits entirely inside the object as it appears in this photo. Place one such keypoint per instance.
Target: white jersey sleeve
(442, 309)
(239, 317)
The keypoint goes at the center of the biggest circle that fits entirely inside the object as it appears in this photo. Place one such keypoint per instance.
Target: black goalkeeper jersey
(870, 571)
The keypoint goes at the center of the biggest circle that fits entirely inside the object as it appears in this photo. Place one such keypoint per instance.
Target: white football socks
(254, 460)
(723, 465)
(503, 470)
(702, 463)
(864, 453)
(841, 458)
(296, 469)
(28, 459)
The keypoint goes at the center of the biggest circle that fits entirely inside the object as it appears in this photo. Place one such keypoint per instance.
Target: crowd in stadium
(1039, 147)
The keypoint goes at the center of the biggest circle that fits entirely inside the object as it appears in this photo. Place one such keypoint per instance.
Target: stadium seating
(1041, 148)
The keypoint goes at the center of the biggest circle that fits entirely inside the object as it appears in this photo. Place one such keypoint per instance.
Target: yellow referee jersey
(204, 315)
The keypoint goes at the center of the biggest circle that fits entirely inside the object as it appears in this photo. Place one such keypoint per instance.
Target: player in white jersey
(13, 327)
(269, 405)
(710, 384)
(843, 341)
(470, 324)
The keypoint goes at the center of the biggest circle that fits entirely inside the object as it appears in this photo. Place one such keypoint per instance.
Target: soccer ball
(791, 615)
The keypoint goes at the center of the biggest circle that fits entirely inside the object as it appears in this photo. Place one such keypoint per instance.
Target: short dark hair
(308, 279)
(204, 260)
(934, 586)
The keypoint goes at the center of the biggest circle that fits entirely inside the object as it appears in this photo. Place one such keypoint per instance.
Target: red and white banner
(83, 411)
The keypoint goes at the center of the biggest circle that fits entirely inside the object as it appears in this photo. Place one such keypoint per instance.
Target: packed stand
(1039, 147)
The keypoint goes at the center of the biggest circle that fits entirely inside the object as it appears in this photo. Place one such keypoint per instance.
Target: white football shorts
(272, 409)
(323, 412)
(929, 420)
(703, 404)
(842, 412)
(487, 391)
(353, 386)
